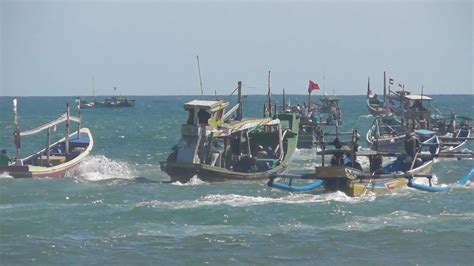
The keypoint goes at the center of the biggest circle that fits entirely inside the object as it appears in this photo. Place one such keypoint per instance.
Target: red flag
(312, 86)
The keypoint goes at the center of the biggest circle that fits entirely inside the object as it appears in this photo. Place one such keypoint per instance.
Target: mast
(200, 80)
(78, 104)
(284, 100)
(240, 110)
(66, 139)
(48, 143)
(16, 134)
(368, 86)
(269, 96)
(309, 100)
(384, 88)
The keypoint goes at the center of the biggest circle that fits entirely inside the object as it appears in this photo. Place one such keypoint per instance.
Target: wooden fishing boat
(387, 133)
(345, 174)
(56, 159)
(375, 105)
(215, 148)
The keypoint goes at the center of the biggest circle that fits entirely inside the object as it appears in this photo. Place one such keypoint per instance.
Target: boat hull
(57, 171)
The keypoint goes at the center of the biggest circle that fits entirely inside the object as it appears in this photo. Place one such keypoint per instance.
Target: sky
(54, 48)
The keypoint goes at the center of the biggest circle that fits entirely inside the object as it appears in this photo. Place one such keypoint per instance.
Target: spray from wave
(99, 167)
(5, 175)
(235, 200)
(192, 182)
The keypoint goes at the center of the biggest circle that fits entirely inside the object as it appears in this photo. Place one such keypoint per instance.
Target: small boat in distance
(56, 159)
(109, 102)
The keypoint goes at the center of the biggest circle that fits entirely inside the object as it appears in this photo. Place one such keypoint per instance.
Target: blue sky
(150, 47)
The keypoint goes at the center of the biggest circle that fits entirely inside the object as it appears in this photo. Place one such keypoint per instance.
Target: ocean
(116, 209)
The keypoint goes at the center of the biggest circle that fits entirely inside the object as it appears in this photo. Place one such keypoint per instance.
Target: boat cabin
(209, 113)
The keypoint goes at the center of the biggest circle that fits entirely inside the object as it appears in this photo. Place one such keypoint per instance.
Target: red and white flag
(313, 86)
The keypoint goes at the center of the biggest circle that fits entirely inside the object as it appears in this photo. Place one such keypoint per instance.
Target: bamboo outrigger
(55, 159)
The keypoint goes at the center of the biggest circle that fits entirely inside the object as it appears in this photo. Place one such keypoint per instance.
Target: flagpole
(384, 87)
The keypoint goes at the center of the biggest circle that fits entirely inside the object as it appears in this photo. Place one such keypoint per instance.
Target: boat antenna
(200, 79)
(284, 100)
(368, 86)
(215, 94)
(269, 96)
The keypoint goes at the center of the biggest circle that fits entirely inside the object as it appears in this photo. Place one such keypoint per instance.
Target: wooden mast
(200, 80)
(240, 110)
(269, 96)
(16, 134)
(384, 88)
(284, 100)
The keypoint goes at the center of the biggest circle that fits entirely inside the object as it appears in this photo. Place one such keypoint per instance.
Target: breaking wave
(192, 182)
(234, 200)
(99, 167)
(5, 175)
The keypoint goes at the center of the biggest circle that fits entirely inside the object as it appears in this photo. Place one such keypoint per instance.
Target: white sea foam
(5, 175)
(192, 182)
(99, 167)
(235, 200)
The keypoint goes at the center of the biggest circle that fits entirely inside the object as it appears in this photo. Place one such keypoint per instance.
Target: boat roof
(416, 97)
(243, 125)
(207, 105)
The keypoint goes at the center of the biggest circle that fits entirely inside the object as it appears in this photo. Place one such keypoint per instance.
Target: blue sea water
(115, 209)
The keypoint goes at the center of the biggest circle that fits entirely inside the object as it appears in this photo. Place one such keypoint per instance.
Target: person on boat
(351, 162)
(203, 116)
(376, 165)
(4, 159)
(261, 153)
(270, 152)
(412, 144)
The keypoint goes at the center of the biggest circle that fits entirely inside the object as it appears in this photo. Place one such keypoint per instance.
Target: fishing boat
(56, 159)
(109, 102)
(375, 105)
(314, 116)
(345, 174)
(214, 147)
(387, 133)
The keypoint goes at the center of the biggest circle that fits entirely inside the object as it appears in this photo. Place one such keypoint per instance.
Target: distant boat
(56, 159)
(110, 102)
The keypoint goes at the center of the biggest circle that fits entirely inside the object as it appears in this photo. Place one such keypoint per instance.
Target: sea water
(115, 208)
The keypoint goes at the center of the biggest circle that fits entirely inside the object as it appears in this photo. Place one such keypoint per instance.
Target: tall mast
(16, 134)
(284, 100)
(240, 110)
(200, 80)
(269, 96)
(368, 87)
(384, 88)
